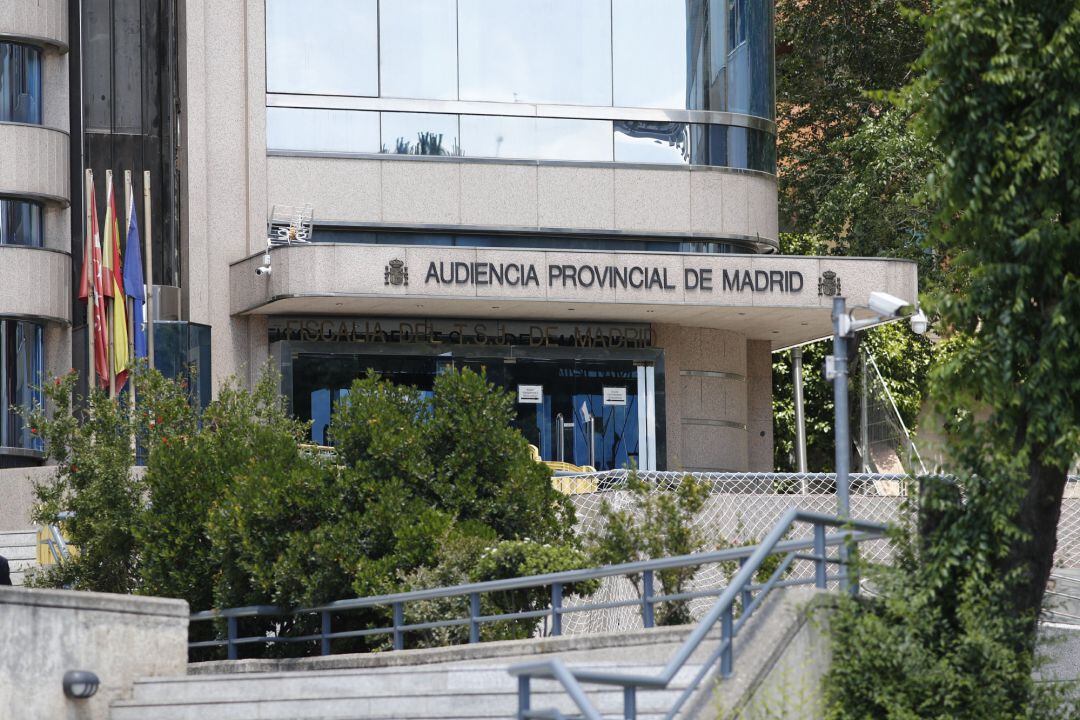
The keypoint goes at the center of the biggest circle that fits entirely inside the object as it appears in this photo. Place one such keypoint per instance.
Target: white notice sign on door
(614, 396)
(531, 394)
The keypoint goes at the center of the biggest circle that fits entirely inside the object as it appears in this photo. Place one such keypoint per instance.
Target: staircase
(458, 682)
(20, 548)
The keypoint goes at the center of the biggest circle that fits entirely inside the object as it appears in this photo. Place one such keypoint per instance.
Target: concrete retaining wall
(118, 637)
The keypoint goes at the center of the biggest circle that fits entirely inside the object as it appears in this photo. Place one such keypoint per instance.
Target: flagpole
(88, 263)
(130, 306)
(111, 317)
(148, 229)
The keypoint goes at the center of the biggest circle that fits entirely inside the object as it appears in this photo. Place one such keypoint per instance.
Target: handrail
(857, 531)
(721, 612)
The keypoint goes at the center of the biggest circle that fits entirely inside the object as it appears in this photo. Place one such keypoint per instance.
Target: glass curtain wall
(710, 55)
(20, 83)
(22, 367)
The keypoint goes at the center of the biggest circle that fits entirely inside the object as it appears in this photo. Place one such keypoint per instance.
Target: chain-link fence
(882, 439)
(742, 508)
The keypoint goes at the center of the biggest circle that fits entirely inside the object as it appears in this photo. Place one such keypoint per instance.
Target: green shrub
(93, 480)
(232, 511)
(654, 525)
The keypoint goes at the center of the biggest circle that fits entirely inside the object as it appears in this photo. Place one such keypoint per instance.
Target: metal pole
(148, 230)
(843, 434)
(88, 263)
(800, 417)
(592, 441)
(864, 415)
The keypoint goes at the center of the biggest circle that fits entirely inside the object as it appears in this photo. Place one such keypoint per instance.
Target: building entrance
(583, 407)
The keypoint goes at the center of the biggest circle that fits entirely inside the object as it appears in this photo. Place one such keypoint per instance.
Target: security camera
(263, 270)
(919, 323)
(887, 305)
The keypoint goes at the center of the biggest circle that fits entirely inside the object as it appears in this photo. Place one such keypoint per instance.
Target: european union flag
(133, 281)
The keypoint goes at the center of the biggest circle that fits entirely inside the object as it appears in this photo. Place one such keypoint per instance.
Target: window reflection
(418, 49)
(20, 223)
(531, 138)
(730, 146)
(420, 134)
(498, 137)
(525, 241)
(544, 51)
(575, 140)
(675, 54)
(651, 142)
(327, 47)
(649, 50)
(322, 130)
(20, 83)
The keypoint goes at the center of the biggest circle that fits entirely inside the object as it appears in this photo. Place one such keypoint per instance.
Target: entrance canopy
(786, 300)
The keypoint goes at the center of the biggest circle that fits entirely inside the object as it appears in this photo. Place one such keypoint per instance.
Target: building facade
(578, 196)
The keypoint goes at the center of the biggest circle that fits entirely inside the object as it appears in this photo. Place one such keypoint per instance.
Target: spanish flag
(114, 288)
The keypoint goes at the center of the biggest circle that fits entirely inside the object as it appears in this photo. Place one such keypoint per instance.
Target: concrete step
(20, 549)
(353, 683)
(418, 702)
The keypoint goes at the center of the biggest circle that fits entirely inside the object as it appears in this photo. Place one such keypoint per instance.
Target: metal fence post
(647, 618)
(630, 702)
(745, 594)
(726, 637)
(820, 568)
(325, 641)
(230, 624)
(399, 620)
(556, 609)
(523, 696)
(474, 617)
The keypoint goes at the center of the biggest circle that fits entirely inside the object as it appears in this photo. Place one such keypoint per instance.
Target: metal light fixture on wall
(80, 684)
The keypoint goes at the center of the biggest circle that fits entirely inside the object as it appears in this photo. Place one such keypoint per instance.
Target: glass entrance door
(585, 412)
(582, 412)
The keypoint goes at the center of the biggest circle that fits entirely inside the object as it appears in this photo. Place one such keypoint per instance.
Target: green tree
(830, 53)
(998, 99)
(852, 180)
(958, 614)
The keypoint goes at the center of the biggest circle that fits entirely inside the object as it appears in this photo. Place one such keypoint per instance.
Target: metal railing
(741, 588)
(813, 549)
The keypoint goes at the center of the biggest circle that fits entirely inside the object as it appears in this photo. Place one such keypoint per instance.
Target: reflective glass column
(22, 370)
(20, 83)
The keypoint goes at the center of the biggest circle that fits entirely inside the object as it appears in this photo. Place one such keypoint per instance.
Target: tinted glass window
(22, 362)
(418, 49)
(420, 134)
(649, 51)
(20, 223)
(322, 130)
(328, 233)
(328, 47)
(20, 83)
(729, 146)
(579, 140)
(542, 51)
(652, 142)
(498, 137)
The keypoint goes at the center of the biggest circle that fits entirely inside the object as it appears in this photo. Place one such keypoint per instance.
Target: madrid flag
(90, 289)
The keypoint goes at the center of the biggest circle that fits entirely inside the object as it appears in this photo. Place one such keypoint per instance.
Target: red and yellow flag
(114, 283)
